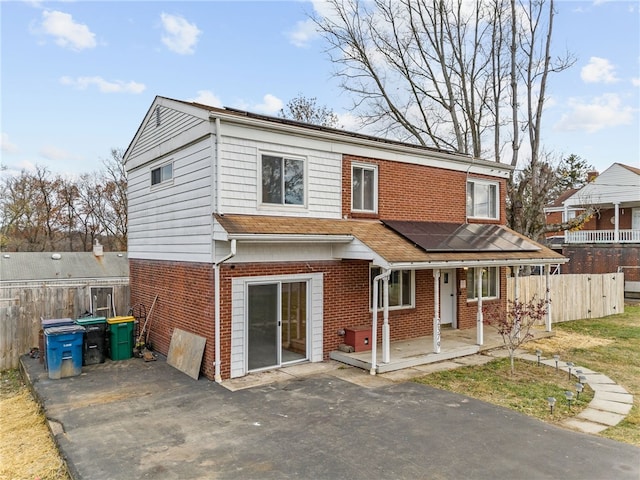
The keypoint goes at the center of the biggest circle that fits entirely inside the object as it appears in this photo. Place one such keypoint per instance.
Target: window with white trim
(162, 174)
(401, 288)
(282, 180)
(364, 188)
(490, 283)
(482, 199)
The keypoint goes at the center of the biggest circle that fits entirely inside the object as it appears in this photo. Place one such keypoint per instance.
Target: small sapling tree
(515, 326)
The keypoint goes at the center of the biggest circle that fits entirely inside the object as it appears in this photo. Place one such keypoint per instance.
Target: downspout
(374, 320)
(216, 279)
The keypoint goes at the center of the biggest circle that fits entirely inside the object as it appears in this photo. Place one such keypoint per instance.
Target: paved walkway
(611, 403)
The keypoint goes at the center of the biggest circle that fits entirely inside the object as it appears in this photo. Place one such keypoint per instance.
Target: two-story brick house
(270, 237)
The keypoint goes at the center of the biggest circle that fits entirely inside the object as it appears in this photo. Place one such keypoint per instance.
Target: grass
(27, 450)
(609, 345)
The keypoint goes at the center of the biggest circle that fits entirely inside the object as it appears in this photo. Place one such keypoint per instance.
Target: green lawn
(609, 345)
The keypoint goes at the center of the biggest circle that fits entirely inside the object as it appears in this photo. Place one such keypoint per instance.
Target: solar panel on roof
(460, 237)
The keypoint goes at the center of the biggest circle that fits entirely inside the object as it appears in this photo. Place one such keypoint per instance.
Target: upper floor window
(364, 188)
(482, 199)
(282, 180)
(401, 288)
(162, 174)
(490, 283)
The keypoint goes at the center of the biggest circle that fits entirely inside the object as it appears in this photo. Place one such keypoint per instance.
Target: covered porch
(455, 343)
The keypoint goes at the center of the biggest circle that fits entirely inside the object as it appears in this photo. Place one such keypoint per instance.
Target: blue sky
(78, 77)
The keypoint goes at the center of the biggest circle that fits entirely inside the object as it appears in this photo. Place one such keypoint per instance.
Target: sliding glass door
(276, 324)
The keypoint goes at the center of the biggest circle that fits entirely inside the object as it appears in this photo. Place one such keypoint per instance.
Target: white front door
(448, 298)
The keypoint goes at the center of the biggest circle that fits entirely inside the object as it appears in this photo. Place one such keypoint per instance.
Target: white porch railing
(602, 236)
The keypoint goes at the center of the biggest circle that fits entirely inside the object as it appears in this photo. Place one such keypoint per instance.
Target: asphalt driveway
(131, 419)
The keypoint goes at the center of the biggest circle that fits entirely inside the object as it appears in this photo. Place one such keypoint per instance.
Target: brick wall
(186, 295)
(602, 259)
(468, 310)
(416, 192)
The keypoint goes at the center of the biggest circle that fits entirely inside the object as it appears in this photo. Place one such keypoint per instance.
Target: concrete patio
(454, 343)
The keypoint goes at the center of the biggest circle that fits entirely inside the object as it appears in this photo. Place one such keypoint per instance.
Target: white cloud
(598, 70)
(207, 97)
(51, 152)
(602, 112)
(6, 145)
(180, 36)
(303, 33)
(270, 105)
(67, 32)
(104, 86)
(635, 81)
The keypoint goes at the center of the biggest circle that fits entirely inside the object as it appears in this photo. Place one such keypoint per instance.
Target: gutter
(291, 238)
(216, 279)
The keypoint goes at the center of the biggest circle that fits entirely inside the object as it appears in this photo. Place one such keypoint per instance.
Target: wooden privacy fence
(573, 296)
(22, 304)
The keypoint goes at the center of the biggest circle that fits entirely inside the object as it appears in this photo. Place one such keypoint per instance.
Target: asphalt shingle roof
(28, 266)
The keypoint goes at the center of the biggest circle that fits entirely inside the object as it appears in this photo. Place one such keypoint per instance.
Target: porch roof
(373, 240)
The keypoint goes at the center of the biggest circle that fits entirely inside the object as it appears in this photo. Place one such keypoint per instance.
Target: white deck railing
(602, 236)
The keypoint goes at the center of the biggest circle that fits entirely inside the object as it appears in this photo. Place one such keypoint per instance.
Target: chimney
(97, 249)
(591, 176)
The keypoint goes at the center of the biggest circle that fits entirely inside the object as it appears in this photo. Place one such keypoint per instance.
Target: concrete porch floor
(454, 343)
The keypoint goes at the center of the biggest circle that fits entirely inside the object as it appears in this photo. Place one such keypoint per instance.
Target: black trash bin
(93, 344)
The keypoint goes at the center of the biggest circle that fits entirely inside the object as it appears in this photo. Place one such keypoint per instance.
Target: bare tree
(467, 76)
(515, 327)
(40, 211)
(306, 109)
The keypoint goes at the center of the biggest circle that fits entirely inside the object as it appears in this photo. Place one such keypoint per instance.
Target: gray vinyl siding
(173, 221)
(240, 189)
(172, 123)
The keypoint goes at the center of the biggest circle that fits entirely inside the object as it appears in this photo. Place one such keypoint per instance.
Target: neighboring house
(269, 237)
(610, 240)
(35, 285)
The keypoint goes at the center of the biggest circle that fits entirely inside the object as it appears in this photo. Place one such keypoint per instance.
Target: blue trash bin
(48, 323)
(64, 350)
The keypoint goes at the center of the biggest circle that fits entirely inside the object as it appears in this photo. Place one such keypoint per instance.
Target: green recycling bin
(120, 337)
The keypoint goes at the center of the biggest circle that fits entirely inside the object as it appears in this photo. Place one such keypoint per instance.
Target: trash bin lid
(121, 319)
(55, 322)
(90, 320)
(61, 330)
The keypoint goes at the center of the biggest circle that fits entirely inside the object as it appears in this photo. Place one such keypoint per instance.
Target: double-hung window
(364, 188)
(162, 174)
(401, 288)
(482, 199)
(490, 283)
(282, 180)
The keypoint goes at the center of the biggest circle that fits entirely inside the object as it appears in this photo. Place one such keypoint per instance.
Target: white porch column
(547, 298)
(479, 316)
(616, 231)
(374, 319)
(386, 346)
(516, 283)
(436, 311)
